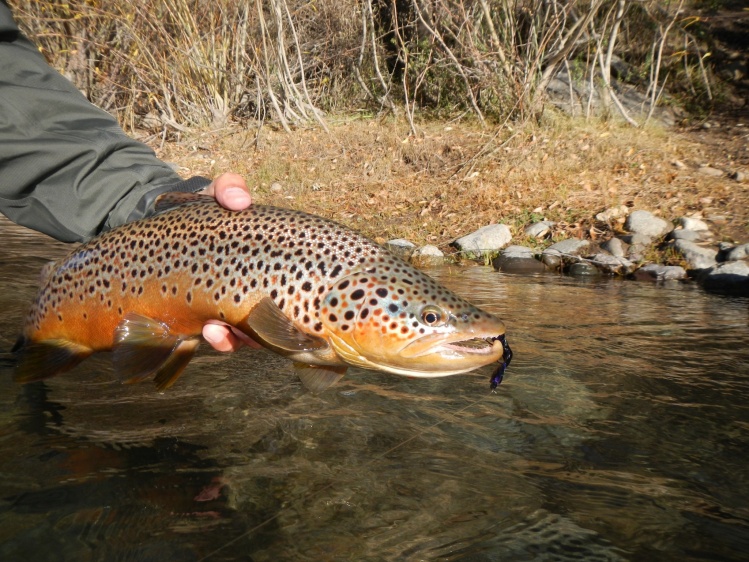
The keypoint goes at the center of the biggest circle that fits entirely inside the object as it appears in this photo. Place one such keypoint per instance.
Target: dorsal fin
(173, 199)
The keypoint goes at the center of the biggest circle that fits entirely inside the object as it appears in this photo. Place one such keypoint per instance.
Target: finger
(221, 338)
(231, 192)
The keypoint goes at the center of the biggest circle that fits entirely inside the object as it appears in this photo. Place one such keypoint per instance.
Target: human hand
(230, 190)
(223, 337)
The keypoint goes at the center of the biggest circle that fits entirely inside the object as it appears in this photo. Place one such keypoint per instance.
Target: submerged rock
(583, 269)
(730, 278)
(657, 272)
(518, 259)
(612, 265)
(565, 252)
(486, 239)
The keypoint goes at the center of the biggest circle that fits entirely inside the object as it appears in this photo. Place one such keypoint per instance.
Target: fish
(307, 288)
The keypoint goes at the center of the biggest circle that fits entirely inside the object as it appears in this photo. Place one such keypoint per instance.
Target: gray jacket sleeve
(66, 167)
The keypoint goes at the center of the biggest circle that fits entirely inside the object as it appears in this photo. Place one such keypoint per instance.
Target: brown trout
(302, 286)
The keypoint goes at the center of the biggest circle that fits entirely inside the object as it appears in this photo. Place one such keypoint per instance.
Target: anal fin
(318, 378)
(41, 360)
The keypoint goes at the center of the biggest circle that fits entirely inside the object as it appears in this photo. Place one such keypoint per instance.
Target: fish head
(397, 319)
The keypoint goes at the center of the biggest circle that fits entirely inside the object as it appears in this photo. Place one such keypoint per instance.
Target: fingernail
(213, 334)
(237, 197)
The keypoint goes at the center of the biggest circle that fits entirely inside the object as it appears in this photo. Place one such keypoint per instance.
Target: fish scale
(303, 286)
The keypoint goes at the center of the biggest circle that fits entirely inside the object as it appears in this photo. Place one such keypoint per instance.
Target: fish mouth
(479, 345)
(476, 346)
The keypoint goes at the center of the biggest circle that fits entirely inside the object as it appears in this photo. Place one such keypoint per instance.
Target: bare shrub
(170, 64)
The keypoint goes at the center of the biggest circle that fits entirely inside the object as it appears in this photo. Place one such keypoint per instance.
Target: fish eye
(433, 316)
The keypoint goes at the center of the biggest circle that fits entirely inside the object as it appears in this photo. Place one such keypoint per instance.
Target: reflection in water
(619, 433)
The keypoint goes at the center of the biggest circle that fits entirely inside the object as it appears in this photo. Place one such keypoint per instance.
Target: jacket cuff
(145, 206)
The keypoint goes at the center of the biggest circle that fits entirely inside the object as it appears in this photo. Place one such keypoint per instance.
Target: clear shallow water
(619, 433)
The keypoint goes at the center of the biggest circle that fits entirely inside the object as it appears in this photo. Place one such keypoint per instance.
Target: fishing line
(328, 486)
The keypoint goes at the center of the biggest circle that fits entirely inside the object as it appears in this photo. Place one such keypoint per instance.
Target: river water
(621, 432)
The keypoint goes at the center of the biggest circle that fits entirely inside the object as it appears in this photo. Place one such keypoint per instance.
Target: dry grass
(456, 177)
(171, 64)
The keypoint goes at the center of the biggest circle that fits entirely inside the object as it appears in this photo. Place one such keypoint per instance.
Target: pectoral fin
(318, 378)
(145, 347)
(41, 360)
(271, 326)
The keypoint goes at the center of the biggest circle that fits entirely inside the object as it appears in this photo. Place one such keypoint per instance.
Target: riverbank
(455, 177)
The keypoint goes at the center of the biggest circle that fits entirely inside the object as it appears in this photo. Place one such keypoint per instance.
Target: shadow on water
(619, 433)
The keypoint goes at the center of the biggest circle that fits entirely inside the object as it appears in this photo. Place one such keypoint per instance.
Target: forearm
(66, 167)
